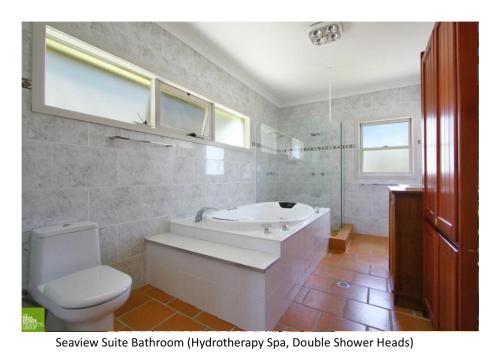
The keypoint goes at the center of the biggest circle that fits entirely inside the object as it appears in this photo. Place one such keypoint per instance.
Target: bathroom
(117, 162)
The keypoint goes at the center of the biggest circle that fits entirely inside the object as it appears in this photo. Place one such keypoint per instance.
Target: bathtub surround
(315, 179)
(73, 172)
(244, 276)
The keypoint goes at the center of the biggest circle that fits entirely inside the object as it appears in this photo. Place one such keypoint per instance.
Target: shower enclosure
(301, 160)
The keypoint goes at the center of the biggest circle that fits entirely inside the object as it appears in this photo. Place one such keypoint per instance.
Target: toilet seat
(86, 288)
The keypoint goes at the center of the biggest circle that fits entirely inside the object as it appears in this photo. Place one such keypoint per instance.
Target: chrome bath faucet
(199, 215)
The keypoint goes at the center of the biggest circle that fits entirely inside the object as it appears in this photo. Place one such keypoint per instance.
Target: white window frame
(160, 85)
(152, 127)
(392, 177)
(246, 121)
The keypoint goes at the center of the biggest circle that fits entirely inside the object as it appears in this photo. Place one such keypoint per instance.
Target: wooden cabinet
(429, 110)
(450, 128)
(430, 271)
(439, 279)
(405, 246)
(447, 116)
(447, 286)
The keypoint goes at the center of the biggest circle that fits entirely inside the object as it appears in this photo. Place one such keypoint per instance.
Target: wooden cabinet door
(447, 130)
(430, 129)
(448, 286)
(430, 272)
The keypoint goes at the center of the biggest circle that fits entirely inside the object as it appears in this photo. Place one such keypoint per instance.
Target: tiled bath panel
(315, 179)
(73, 172)
(319, 305)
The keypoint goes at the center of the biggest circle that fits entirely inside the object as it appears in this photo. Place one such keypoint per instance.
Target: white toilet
(66, 277)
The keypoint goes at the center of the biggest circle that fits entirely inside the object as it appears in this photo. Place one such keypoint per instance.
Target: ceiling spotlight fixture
(322, 33)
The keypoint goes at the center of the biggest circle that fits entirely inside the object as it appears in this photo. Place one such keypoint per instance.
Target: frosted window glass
(79, 86)
(229, 128)
(386, 161)
(386, 134)
(180, 113)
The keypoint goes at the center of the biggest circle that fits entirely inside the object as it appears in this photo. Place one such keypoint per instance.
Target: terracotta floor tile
(158, 294)
(214, 322)
(370, 248)
(280, 327)
(118, 325)
(300, 317)
(136, 298)
(318, 282)
(330, 303)
(328, 322)
(146, 316)
(379, 271)
(370, 281)
(381, 298)
(299, 298)
(186, 308)
(403, 322)
(353, 265)
(371, 259)
(179, 322)
(354, 292)
(146, 287)
(368, 314)
(329, 260)
(335, 272)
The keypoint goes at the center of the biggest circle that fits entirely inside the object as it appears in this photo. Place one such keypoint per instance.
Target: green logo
(33, 320)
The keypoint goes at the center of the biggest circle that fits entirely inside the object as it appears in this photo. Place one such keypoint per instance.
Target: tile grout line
(194, 318)
(174, 311)
(132, 309)
(164, 320)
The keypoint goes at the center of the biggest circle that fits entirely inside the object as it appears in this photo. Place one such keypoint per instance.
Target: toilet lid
(93, 286)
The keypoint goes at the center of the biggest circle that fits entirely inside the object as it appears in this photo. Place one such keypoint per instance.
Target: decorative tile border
(305, 149)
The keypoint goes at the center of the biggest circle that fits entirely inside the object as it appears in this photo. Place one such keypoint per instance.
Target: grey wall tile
(146, 167)
(49, 207)
(50, 128)
(37, 163)
(159, 200)
(78, 166)
(115, 205)
(109, 244)
(131, 236)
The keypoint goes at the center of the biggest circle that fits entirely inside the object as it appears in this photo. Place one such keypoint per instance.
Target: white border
(386, 178)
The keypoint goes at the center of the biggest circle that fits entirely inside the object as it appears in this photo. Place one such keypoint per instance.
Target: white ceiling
(278, 60)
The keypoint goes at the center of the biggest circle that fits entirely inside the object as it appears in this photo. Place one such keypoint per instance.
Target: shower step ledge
(340, 240)
(251, 259)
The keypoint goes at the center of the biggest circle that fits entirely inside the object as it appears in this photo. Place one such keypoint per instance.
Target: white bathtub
(255, 217)
(229, 266)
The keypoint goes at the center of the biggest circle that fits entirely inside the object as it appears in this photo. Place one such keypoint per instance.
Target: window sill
(64, 114)
(411, 180)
